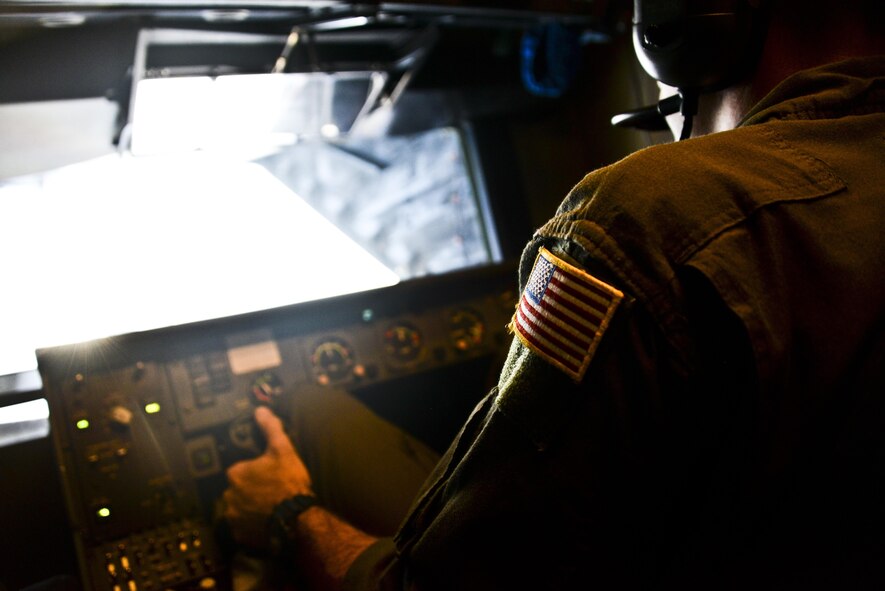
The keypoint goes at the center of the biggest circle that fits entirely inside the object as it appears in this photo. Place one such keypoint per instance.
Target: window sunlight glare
(121, 244)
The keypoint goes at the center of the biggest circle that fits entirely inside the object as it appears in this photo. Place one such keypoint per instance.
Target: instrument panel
(145, 425)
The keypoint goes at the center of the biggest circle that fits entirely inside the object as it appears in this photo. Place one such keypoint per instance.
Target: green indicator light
(82, 424)
(104, 512)
(152, 408)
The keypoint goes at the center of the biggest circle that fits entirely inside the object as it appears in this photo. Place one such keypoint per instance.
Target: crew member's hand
(257, 486)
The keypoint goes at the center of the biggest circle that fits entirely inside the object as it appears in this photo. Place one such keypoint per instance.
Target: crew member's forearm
(326, 547)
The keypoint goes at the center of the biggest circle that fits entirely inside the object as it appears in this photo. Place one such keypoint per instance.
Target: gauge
(466, 329)
(403, 342)
(332, 360)
(267, 389)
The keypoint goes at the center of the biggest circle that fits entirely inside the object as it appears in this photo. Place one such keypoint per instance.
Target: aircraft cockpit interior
(208, 205)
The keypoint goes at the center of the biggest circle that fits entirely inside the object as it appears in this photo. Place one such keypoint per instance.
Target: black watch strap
(283, 521)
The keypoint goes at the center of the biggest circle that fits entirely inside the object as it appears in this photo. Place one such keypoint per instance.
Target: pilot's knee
(313, 410)
(316, 400)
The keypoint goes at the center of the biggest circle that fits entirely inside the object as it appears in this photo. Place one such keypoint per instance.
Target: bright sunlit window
(231, 200)
(245, 113)
(120, 244)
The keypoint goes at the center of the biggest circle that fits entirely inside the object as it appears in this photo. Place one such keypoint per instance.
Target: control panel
(146, 424)
(180, 554)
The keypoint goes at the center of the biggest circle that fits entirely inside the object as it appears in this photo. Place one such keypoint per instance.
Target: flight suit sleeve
(376, 568)
(557, 483)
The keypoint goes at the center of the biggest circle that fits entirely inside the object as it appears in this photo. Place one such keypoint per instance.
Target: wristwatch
(283, 522)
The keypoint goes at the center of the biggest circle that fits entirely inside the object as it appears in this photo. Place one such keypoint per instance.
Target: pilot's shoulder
(696, 165)
(733, 171)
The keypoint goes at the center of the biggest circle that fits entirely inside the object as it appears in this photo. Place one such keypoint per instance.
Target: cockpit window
(163, 235)
(409, 201)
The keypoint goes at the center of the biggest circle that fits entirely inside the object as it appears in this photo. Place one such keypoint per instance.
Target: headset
(696, 46)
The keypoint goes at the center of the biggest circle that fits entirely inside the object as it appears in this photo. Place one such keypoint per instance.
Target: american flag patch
(563, 313)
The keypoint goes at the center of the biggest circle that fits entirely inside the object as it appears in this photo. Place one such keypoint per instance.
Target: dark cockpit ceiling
(343, 35)
(447, 65)
(67, 50)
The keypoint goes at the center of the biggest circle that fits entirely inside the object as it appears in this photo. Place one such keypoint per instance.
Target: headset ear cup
(703, 52)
